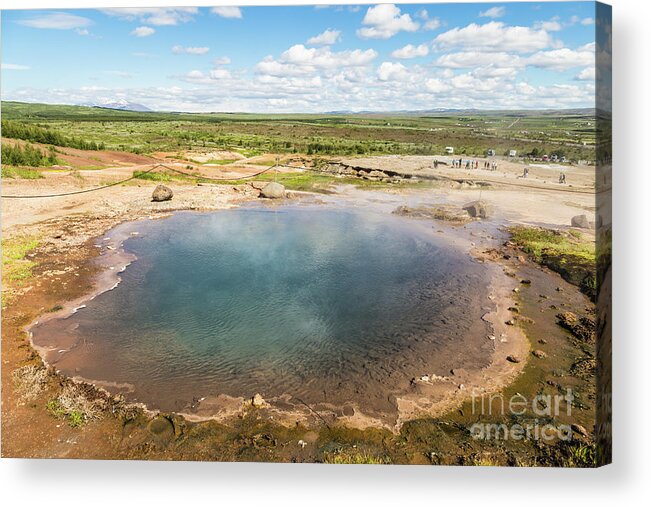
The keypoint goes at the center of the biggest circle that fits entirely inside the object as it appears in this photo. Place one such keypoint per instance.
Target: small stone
(539, 354)
(525, 282)
(513, 309)
(491, 337)
(510, 322)
(516, 289)
(542, 341)
(513, 359)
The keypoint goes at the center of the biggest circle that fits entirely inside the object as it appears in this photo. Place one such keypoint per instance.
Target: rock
(542, 341)
(513, 309)
(376, 175)
(513, 359)
(258, 401)
(582, 328)
(478, 209)
(525, 282)
(162, 193)
(577, 428)
(539, 354)
(582, 222)
(273, 190)
(510, 322)
(162, 428)
(349, 411)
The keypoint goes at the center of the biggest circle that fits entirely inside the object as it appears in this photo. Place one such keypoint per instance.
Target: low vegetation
(45, 135)
(73, 405)
(27, 155)
(16, 268)
(24, 173)
(354, 457)
(568, 253)
(29, 381)
(539, 133)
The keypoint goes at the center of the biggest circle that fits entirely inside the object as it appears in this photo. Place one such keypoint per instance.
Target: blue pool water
(324, 305)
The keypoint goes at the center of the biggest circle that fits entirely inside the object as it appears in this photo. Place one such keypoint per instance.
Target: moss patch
(15, 267)
(568, 253)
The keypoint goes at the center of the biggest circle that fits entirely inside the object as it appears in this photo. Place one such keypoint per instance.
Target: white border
(59, 482)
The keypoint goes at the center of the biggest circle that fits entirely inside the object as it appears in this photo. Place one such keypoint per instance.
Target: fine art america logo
(544, 407)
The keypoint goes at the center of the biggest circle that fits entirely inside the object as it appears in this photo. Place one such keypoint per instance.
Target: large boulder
(478, 209)
(273, 190)
(582, 222)
(162, 193)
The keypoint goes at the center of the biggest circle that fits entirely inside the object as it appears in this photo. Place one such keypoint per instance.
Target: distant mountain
(119, 104)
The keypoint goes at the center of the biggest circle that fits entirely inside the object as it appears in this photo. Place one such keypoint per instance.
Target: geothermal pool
(323, 305)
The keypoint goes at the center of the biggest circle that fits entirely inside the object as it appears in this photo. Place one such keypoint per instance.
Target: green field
(571, 133)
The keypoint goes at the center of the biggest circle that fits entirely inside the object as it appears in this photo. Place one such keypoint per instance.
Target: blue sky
(305, 58)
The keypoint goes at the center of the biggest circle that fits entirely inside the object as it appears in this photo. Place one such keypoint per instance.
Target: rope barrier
(240, 178)
(76, 192)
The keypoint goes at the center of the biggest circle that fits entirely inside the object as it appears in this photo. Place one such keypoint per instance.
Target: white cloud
(384, 21)
(436, 86)
(13, 66)
(325, 38)
(143, 31)
(157, 16)
(495, 36)
(179, 50)
(227, 12)
(562, 59)
(429, 24)
(471, 59)
(299, 59)
(432, 24)
(493, 12)
(222, 60)
(389, 71)
(82, 31)
(587, 74)
(587, 21)
(56, 21)
(553, 25)
(411, 51)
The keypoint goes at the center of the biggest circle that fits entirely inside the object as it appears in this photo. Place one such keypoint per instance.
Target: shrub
(29, 381)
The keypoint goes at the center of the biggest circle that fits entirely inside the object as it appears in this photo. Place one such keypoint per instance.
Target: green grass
(581, 456)
(310, 181)
(160, 176)
(21, 172)
(354, 457)
(220, 161)
(569, 253)
(540, 242)
(15, 267)
(318, 134)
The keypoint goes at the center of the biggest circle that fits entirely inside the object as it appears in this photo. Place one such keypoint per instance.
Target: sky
(385, 57)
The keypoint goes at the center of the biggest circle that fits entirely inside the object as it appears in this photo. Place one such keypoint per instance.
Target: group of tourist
(489, 165)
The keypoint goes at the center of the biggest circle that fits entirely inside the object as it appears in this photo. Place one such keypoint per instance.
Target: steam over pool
(324, 305)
